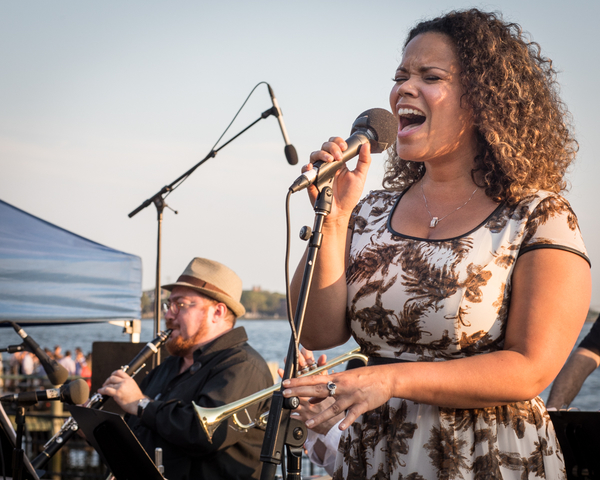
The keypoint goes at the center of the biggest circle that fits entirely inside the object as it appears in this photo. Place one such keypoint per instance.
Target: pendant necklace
(435, 220)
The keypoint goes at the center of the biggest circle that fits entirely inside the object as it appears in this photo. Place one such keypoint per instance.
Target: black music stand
(579, 437)
(116, 444)
(8, 439)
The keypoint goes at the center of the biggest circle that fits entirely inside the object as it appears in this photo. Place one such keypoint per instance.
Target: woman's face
(426, 99)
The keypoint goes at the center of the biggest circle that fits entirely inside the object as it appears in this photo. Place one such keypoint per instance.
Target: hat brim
(236, 307)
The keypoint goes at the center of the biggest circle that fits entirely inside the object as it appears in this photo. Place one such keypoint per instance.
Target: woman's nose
(407, 88)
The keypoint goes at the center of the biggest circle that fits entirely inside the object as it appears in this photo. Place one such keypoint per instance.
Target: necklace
(436, 220)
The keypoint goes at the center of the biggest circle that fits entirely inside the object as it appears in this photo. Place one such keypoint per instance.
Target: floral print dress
(435, 300)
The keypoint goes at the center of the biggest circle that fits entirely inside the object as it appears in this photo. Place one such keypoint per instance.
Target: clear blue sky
(103, 103)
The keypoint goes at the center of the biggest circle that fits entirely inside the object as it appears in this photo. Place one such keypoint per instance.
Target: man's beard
(179, 347)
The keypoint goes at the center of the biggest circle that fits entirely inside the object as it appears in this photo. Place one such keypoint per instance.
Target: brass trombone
(211, 418)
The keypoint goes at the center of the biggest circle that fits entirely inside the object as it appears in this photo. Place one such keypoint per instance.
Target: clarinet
(96, 402)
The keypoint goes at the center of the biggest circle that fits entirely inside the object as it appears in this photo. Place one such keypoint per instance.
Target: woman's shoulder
(539, 204)
(373, 206)
(550, 223)
(536, 197)
(376, 202)
(541, 207)
(380, 198)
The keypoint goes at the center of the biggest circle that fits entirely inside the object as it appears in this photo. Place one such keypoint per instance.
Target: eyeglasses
(174, 307)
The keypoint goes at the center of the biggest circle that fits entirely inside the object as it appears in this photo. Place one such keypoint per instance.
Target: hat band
(201, 284)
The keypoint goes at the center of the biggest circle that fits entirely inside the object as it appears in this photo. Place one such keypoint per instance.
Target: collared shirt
(226, 370)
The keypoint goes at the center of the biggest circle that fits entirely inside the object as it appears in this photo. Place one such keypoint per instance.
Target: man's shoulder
(232, 350)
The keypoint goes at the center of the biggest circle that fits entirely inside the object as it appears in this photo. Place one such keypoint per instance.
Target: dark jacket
(226, 370)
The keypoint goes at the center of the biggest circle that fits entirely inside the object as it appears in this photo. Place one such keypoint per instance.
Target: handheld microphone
(74, 393)
(57, 374)
(376, 126)
(290, 151)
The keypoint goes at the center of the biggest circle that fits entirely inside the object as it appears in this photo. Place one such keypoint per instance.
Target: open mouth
(410, 118)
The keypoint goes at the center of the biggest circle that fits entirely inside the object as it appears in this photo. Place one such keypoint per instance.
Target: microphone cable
(212, 150)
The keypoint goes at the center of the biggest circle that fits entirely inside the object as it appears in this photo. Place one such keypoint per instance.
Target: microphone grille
(75, 392)
(57, 374)
(382, 124)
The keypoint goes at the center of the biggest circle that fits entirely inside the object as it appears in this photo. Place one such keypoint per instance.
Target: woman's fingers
(318, 390)
(330, 151)
(354, 392)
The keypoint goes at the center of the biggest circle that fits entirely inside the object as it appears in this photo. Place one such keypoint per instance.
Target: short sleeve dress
(436, 300)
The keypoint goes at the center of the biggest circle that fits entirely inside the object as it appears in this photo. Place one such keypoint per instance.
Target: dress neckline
(398, 234)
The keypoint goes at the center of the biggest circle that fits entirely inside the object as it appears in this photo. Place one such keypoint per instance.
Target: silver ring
(331, 387)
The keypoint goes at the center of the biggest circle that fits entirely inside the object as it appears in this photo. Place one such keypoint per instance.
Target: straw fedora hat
(214, 280)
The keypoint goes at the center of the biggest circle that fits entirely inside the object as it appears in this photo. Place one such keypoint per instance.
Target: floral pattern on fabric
(436, 300)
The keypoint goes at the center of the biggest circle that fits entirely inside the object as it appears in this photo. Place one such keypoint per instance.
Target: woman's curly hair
(524, 133)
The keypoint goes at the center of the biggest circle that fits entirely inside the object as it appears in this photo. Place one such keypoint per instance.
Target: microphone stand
(281, 427)
(159, 202)
(18, 459)
(18, 452)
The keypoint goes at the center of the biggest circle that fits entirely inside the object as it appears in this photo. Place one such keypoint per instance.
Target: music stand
(116, 444)
(8, 438)
(579, 437)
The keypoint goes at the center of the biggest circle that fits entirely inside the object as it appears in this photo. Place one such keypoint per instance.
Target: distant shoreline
(591, 316)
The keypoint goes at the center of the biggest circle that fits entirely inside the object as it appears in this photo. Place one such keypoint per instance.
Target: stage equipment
(577, 434)
(380, 128)
(211, 418)
(74, 392)
(158, 199)
(116, 444)
(290, 152)
(97, 401)
(57, 374)
(376, 126)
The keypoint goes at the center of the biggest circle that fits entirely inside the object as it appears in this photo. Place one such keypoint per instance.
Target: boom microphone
(290, 151)
(57, 374)
(376, 126)
(74, 393)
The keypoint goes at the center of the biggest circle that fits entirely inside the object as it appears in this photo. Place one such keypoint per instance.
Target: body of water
(269, 337)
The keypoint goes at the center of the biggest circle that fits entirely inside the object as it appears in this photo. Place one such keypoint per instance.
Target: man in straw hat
(212, 365)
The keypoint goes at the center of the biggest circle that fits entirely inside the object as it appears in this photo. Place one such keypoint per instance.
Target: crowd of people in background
(77, 364)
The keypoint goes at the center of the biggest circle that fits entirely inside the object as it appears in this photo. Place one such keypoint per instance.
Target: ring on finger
(331, 387)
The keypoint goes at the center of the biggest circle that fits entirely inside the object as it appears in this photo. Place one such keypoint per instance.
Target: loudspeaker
(579, 437)
(110, 356)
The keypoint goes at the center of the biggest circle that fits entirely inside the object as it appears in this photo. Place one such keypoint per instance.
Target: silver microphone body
(290, 152)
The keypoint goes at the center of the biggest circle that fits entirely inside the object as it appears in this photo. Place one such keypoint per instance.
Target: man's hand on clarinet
(124, 390)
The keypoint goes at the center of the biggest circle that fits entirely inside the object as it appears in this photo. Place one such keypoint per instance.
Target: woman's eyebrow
(423, 68)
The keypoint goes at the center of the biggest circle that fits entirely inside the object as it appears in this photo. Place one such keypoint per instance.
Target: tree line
(258, 304)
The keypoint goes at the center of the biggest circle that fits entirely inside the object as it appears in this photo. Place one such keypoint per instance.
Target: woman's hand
(307, 409)
(348, 184)
(356, 392)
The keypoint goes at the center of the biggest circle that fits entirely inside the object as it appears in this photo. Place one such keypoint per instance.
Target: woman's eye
(399, 79)
(432, 78)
